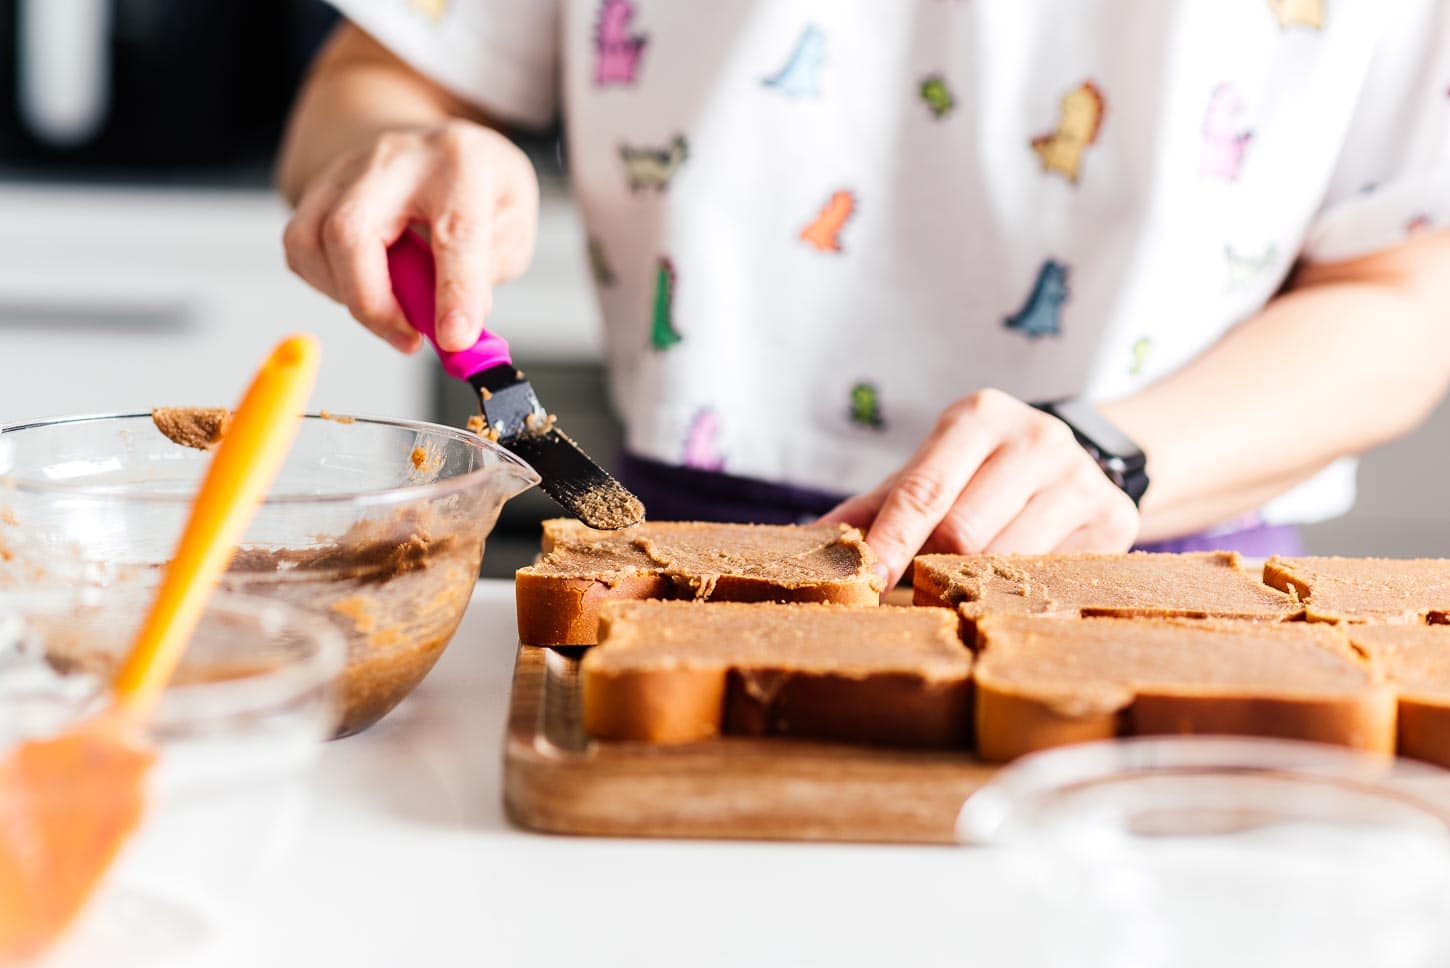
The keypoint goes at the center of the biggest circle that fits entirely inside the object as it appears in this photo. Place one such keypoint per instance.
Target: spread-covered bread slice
(1200, 585)
(1409, 590)
(1043, 682)
(559, 597)
(674, 672)
(1415, 660)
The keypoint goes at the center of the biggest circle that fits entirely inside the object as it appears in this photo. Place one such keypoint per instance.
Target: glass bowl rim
(987, 815)
(363, 498)
(203, 703)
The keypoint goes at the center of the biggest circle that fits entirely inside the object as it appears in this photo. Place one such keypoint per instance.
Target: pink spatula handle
(410, 263)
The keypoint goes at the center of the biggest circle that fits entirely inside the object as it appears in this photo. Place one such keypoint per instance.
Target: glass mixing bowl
(379, 524)
(1195, 850)
(235, 735)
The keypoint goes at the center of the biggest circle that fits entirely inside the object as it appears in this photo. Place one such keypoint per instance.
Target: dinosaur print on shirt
(1081, 121)
(1224, 140)
(662, 333)
(1300, 13)
(702, 448)
(617, 51)
(654, 167)
(1042, 313)
(599, 266)
(937, 96)
(866, 406)
(432, 9)
(824, 231)
(1244, 269)
(800, 76)
(1141, 347)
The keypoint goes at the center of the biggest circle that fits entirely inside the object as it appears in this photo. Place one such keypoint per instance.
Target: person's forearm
(356, 90)
(1353, 355)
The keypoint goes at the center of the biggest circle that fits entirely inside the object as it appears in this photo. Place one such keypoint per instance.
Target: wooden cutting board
(556, 779)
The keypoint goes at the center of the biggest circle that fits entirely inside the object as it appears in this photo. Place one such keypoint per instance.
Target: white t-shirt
(815, 224)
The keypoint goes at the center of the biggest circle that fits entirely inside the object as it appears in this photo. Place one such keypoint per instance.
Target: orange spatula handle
(243, 467)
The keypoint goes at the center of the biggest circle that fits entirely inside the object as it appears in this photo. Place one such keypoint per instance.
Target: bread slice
(1043, 682)
(675, 672)
(559, 597)
(1198, 585)
(1415, 660)
(1398, 590)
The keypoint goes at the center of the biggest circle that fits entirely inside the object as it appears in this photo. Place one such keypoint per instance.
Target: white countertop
(406, 858)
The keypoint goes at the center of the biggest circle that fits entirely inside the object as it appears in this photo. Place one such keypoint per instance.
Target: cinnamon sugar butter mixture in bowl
(378, 524)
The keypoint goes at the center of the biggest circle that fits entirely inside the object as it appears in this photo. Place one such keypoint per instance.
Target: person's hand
(998, 476)
(473, 191)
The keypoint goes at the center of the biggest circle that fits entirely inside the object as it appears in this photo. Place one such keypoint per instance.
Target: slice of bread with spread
(559, 598)
(1044, 681)
(674, 672)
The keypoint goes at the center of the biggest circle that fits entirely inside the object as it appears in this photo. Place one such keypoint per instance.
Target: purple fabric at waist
(673, 493)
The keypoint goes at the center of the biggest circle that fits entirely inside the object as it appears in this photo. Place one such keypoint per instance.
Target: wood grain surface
(558, 780)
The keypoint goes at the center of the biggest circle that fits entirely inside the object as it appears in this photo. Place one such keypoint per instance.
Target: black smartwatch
(1120, 458)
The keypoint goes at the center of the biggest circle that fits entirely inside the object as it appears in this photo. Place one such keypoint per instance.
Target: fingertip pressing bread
(1139, 585)
(1046, 681)
(559, 598)
(675, 672)
(1391, 590)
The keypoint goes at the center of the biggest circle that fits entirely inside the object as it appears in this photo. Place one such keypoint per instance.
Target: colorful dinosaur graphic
(1301, 13)
(662, 334)
(800, 76)
(432, 9)
(1224, 140)
(702, 449)
(1081, 121)
(1042, 313)
(937, 95)
(824, 231)
(1141, 347)
(599, 264)
(654, 167)
(1243, 269)
(618, 52)
(866, 406)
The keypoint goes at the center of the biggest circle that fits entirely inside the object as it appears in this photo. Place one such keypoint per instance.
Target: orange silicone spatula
(68, 803)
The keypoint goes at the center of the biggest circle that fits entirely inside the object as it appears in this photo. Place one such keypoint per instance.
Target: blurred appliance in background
(150, 84)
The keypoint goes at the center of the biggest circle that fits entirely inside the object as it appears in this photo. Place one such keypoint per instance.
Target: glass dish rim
(228, 698)
(363, 498)
(985, 815)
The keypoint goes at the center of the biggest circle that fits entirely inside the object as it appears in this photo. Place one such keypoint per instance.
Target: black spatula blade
(512, 411)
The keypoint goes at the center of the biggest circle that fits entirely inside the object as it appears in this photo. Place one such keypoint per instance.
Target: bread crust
(1364, 721)
(554, 610)
(1012, 724)
(1424, 729)
(678, 705)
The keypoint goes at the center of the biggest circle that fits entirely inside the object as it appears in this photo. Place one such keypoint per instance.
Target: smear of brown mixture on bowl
(198, 427)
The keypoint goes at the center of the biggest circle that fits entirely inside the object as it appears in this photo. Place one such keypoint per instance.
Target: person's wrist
(1120, 458)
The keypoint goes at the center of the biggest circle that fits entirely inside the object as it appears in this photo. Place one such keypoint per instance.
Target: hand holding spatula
(511, 410)
(68, 803)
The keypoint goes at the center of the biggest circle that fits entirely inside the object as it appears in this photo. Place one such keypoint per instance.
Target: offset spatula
(510, 407)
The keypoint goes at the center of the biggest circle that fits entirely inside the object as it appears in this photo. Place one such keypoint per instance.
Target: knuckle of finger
(454, 226)
(1051, 432)
(389, 146)
(960, 534)
(921, 492)
(458, 138)
(343, 227)
(296, 246)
